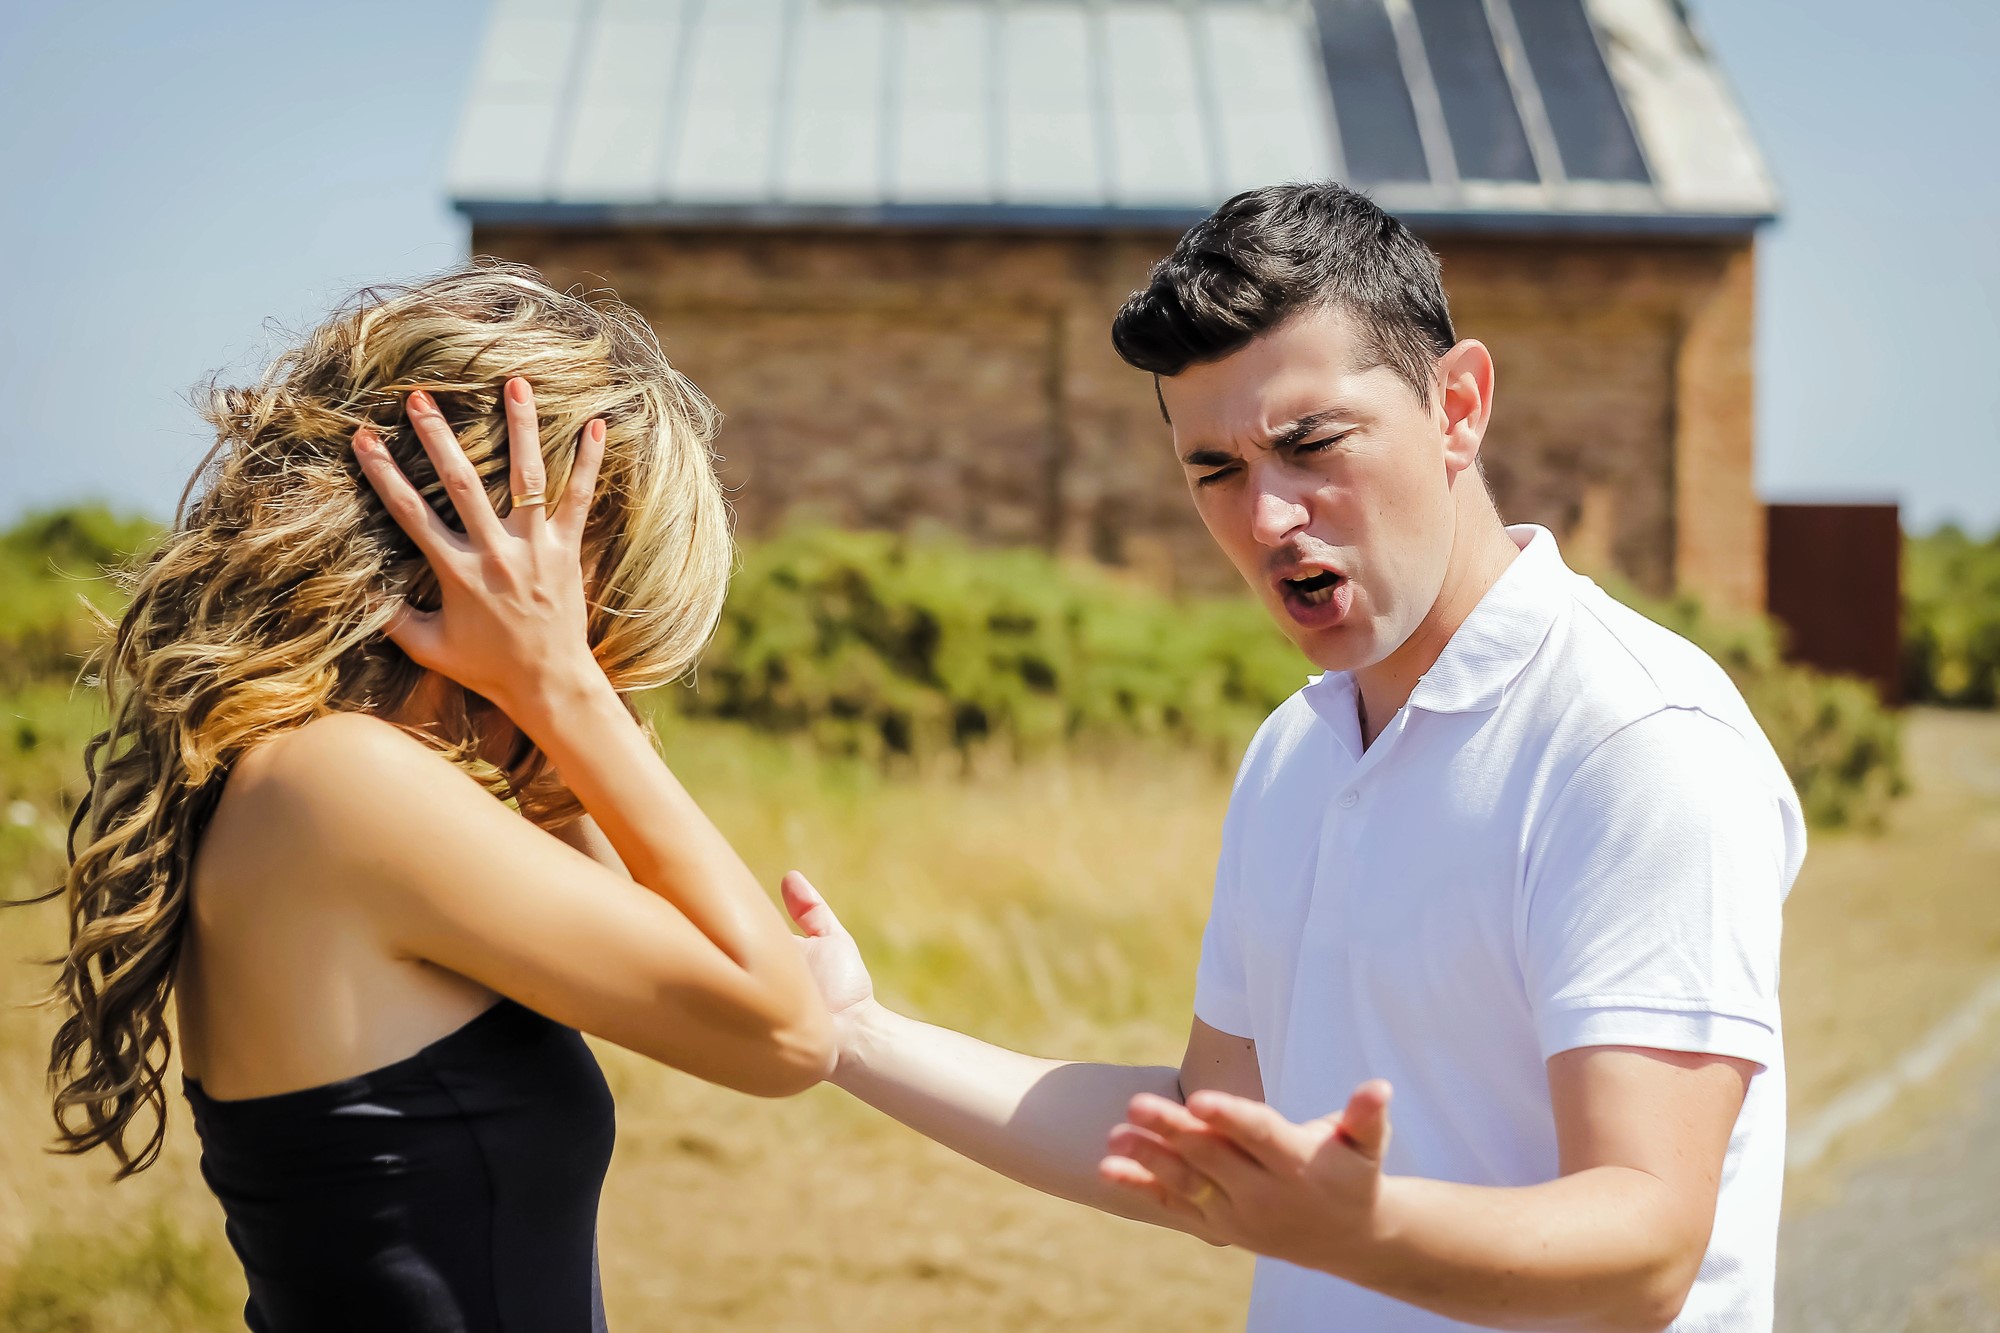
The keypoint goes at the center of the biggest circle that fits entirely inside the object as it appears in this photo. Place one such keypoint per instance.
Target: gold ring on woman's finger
(1201, 1196)
(530, 498)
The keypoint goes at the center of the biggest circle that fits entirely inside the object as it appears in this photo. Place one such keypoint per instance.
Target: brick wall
(1623, 417)
(882, 379)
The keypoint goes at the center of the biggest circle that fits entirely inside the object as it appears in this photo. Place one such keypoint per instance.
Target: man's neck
(1475, 566)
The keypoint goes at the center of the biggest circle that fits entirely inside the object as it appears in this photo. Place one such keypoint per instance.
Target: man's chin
(1344, 647)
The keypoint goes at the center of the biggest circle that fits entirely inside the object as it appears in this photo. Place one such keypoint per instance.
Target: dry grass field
(1056, 907)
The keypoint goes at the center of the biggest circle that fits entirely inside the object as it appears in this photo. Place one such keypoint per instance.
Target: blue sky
(176, 175)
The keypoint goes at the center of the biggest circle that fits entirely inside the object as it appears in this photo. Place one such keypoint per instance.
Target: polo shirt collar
(1492, 646)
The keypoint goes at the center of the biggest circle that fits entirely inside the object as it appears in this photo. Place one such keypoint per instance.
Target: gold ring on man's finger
(1202, 1195)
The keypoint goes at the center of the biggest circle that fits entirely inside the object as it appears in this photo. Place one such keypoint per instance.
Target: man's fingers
(1206, 1149)
(574, 512)
(1129, 1174)
(402, 502)
(1163, 1113)
(1172, 1169)
(460, 478)
(1252, 1126)
(1364, 1125)
(526, 474)
(803, 901)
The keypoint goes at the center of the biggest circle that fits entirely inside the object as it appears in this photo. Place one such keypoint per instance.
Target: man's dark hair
(1269, 254)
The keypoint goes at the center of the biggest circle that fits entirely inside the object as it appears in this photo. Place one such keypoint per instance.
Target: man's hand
(1244, 1175)
(1614, 1242)
(833, 959)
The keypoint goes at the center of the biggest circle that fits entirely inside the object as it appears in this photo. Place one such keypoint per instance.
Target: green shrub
(1951, 619)
(52, 572)
(886, 646)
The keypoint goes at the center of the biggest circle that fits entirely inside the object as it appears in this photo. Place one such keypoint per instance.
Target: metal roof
(1507, 114)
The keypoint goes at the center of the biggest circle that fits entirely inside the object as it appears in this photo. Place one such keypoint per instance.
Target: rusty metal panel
(1836, 584)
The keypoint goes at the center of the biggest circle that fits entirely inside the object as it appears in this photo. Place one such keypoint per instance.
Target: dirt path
(1906, 1240)
(1897, 1230)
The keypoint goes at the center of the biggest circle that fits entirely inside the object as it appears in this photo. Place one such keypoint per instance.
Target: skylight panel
(1486, 134)
(1371, 100)
(1591, 130)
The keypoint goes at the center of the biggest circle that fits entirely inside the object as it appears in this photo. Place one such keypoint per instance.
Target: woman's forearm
(514, 628)
(665, 840)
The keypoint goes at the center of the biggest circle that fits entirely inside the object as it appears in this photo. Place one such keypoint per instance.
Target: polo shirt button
(1348, 798)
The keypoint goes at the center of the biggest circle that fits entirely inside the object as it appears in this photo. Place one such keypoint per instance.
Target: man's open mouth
(1313, 589)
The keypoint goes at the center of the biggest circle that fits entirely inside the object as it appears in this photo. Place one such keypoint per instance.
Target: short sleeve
(1221, 990)
(1653, 894)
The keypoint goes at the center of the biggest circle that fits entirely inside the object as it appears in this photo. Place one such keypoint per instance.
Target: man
(1518, 854)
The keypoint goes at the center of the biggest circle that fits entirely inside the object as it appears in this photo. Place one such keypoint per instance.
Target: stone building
(887, 237)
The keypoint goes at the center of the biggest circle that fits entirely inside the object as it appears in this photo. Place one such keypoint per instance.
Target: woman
(430, 556)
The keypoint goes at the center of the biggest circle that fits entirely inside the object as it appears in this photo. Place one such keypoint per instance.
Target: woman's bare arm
(583, 834)
(701, 971)
(441, 871)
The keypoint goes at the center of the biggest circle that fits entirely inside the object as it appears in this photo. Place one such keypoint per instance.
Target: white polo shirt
(1574, 834)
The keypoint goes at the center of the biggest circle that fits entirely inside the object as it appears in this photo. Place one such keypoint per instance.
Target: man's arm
(1614, 1243)
(1041, 1122)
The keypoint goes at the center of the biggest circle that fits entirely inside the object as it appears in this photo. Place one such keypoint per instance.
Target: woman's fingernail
(597, 432)
(517, 389)
(419, 401)
(364, 439)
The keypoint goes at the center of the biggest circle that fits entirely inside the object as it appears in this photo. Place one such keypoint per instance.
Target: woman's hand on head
(513, 624)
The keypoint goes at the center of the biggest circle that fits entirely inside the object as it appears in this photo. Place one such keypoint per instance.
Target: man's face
(1328, 486)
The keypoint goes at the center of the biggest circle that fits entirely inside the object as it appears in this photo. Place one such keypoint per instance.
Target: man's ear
(1465, 393)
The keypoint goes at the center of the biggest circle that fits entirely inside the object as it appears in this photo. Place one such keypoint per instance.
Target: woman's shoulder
(336, 790)
(324, 758)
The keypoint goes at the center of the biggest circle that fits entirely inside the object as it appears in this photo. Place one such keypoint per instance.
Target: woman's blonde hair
(263, 608)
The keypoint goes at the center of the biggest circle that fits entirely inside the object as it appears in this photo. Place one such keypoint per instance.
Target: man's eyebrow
(1282, 438)
(1288, 435)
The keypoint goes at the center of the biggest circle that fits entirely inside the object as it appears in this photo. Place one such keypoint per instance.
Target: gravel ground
(1907, 1240)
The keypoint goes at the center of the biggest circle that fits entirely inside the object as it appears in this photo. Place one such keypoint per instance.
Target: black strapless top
(451, 1192)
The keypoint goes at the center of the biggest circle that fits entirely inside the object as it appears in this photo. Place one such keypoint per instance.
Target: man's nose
(1275, 515)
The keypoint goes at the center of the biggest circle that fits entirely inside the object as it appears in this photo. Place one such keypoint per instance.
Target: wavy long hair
(263, 608)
